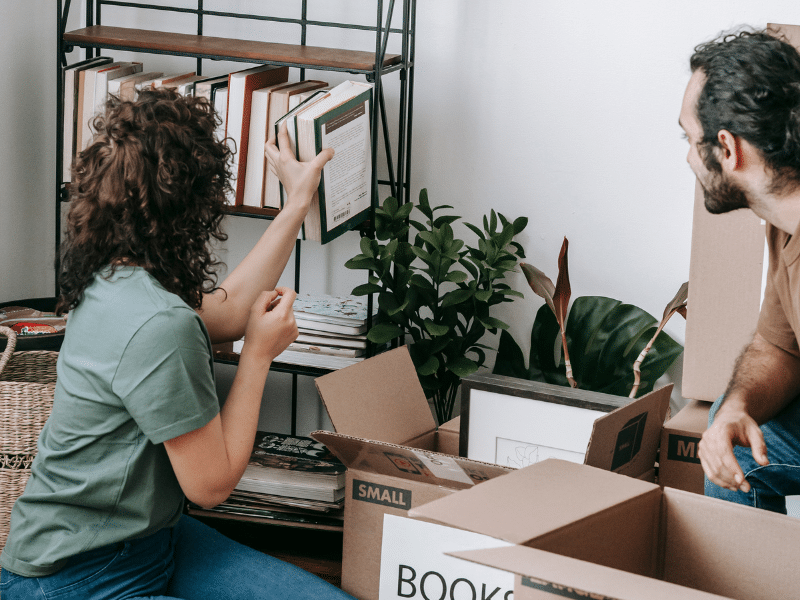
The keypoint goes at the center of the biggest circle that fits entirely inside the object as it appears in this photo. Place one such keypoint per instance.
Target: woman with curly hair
(136, 425)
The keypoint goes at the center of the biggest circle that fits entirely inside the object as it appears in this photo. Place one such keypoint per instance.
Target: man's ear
(730, 152)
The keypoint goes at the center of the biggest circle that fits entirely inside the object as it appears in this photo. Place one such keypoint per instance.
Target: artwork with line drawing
(516, 454)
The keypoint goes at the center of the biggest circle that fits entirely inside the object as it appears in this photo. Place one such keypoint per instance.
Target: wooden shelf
(252, 211)
(203, 46)
(196, 512)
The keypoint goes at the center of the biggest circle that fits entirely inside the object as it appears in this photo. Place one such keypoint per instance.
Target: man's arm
(765, 379)
(226, 310)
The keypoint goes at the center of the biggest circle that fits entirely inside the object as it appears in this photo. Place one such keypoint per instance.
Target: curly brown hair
(148, 191)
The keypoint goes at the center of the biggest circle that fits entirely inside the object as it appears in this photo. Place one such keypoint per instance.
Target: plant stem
(637, 373)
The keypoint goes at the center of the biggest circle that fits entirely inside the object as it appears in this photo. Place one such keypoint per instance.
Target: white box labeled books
(413, 563)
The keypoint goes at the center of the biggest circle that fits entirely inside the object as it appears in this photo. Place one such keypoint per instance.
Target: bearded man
(741, 116)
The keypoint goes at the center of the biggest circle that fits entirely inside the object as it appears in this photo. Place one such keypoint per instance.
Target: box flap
(379, 398)
(626, 440)
(532, 501)
(725, 272)
(568, 577)
(691, 418)
(408, 463)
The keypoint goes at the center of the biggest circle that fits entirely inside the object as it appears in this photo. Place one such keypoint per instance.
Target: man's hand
(732, 427)
(299, 179)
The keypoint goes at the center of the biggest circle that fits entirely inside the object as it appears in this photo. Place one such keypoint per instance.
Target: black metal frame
(398, 173)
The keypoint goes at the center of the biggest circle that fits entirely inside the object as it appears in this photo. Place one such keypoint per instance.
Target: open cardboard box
(582, 532)
(395, 455)
(397, 459)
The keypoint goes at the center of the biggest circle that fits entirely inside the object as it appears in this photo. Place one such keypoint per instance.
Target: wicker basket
(27, 383)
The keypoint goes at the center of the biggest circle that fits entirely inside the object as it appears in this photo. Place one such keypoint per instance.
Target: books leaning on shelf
(71, 119)
(92, 94)
(266, 102)
(339, 119)
(279, 106)
(241, 85)
(293, 470)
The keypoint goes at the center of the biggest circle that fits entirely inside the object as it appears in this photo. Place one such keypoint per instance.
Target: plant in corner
(435, 292)
(600, 344)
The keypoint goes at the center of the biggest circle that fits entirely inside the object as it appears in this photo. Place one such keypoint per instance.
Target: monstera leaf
(604, 336)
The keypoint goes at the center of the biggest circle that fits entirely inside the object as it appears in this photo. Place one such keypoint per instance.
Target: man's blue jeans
(769, 485)
(191, 562)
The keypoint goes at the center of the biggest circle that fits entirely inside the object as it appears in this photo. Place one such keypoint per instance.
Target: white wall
(27, 142)
(564, 112)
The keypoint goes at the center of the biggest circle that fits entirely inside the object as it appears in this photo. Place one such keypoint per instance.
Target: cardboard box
(725, 274)
(387, 437)
(678, 464)
(582, 532)
(395, 455)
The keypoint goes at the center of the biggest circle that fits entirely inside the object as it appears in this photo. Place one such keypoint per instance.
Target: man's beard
(723, 195)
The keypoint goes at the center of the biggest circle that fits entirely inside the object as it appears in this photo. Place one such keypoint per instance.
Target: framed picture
(516, 422)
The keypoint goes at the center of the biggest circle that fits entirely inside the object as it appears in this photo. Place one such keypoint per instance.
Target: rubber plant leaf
(605, 337)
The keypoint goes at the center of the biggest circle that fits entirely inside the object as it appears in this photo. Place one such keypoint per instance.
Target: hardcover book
(240, 94)
(279, 106)
(339, 119)
(256, 171)
(71, 116)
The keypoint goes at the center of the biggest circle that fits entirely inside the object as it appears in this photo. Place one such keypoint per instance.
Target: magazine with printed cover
(339, 310)
(293, 466)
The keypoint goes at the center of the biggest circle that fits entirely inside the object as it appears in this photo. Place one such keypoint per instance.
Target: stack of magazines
(289, 478)
(333, 332)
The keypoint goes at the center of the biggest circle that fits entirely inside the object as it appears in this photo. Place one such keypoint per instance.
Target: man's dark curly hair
(148, 191)
(752, 90)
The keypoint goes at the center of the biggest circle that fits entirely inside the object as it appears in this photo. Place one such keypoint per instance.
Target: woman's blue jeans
(189, 562)
(769, 485)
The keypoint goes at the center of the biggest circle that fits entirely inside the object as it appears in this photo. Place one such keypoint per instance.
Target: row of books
(332, 332)
(289, 478)
(251, 103)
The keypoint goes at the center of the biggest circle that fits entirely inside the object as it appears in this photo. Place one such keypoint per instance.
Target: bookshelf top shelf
(203, 46)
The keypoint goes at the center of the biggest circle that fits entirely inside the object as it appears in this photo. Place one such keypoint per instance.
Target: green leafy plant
(435, 292)
(601, 344)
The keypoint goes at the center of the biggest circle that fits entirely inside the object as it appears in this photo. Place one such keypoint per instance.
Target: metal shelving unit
(374, 65)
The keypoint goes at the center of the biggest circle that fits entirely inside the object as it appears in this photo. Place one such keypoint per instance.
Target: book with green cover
(339, 119)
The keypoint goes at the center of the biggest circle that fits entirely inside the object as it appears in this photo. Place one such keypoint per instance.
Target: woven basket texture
(27, 384)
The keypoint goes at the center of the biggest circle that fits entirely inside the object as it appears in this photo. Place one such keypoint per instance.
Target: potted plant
(599, 344)
(435, 292)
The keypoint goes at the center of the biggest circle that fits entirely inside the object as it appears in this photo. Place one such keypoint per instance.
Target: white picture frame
(515, 422)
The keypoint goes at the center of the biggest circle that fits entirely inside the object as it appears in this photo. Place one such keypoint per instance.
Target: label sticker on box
(414, 565)
(444, 467)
